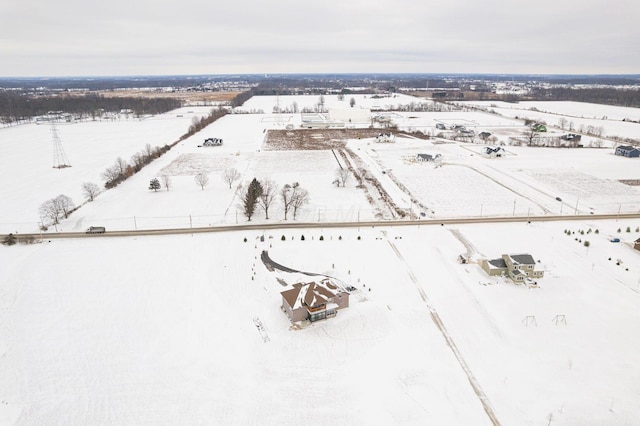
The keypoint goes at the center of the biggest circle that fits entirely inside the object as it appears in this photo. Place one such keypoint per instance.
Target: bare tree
(90, 190)
(230, 175)
(148, 151)
(202, 179)
(166, 181)
(121, 166)
(111, 174)
(532, 136)
(138, 161)
(321, 103)
(50, 210)
(562, 123)
(267, 196)
(285, 195)
(65, 204)
(299, 199)
(342, 176)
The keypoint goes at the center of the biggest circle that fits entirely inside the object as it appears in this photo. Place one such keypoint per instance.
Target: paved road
(302, 225)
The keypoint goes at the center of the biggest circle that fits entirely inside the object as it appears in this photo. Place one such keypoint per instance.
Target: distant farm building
(427, 157)
(572, 137)
(538, 127)
(319, 121)
(518, 267)
(212, 142)
(314, 301)
(494, 152)
(386, 137)
(627, 151)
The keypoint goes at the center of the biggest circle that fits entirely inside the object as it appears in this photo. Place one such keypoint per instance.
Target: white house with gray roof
(518, 267)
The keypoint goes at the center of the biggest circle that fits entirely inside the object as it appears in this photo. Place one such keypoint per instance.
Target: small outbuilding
(427, 157)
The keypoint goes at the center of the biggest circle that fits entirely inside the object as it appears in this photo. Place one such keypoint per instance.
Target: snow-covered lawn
(160, 330)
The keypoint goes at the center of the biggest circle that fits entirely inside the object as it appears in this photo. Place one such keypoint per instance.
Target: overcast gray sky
(154, 37)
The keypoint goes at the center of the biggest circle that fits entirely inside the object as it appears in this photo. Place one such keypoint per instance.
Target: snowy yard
(160, 330)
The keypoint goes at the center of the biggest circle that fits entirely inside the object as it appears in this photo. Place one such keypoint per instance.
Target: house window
(316, 316)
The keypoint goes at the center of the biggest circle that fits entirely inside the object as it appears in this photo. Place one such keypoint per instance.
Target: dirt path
(435, 317)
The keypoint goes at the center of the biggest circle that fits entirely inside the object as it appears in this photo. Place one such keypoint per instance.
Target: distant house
(539, 127)
(571, 137)
(212, 142)
(518, 267)
(627, 151)
(441, 126)
(386, 137)
(427, 157)
(314, 301)
(494, 152)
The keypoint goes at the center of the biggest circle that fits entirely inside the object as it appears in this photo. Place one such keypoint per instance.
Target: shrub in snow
(597, 232)
(619, 230)
(586, 243)
(245, 239)
(340, 237)
(283, 238)
(321, 238)
(9, 240)
(302, 238)
(628, 229)
(358, 237)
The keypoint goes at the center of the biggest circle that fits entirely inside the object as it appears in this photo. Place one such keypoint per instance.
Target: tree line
(600, 95)
(17, 106)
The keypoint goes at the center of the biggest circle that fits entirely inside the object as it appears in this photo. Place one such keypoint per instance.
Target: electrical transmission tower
(60, 160)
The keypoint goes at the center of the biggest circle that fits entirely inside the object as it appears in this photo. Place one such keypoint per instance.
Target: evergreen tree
(251, 196)
(154, 184)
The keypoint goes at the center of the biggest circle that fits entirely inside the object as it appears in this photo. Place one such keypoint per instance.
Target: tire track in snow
(435, 317)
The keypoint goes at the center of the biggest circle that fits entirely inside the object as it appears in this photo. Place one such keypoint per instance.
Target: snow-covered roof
(525, 259)
(497, 263)
(310, 294)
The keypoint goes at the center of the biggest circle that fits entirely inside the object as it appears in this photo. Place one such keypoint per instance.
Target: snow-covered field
(160, 330)
(577, 114)
(525, 182)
